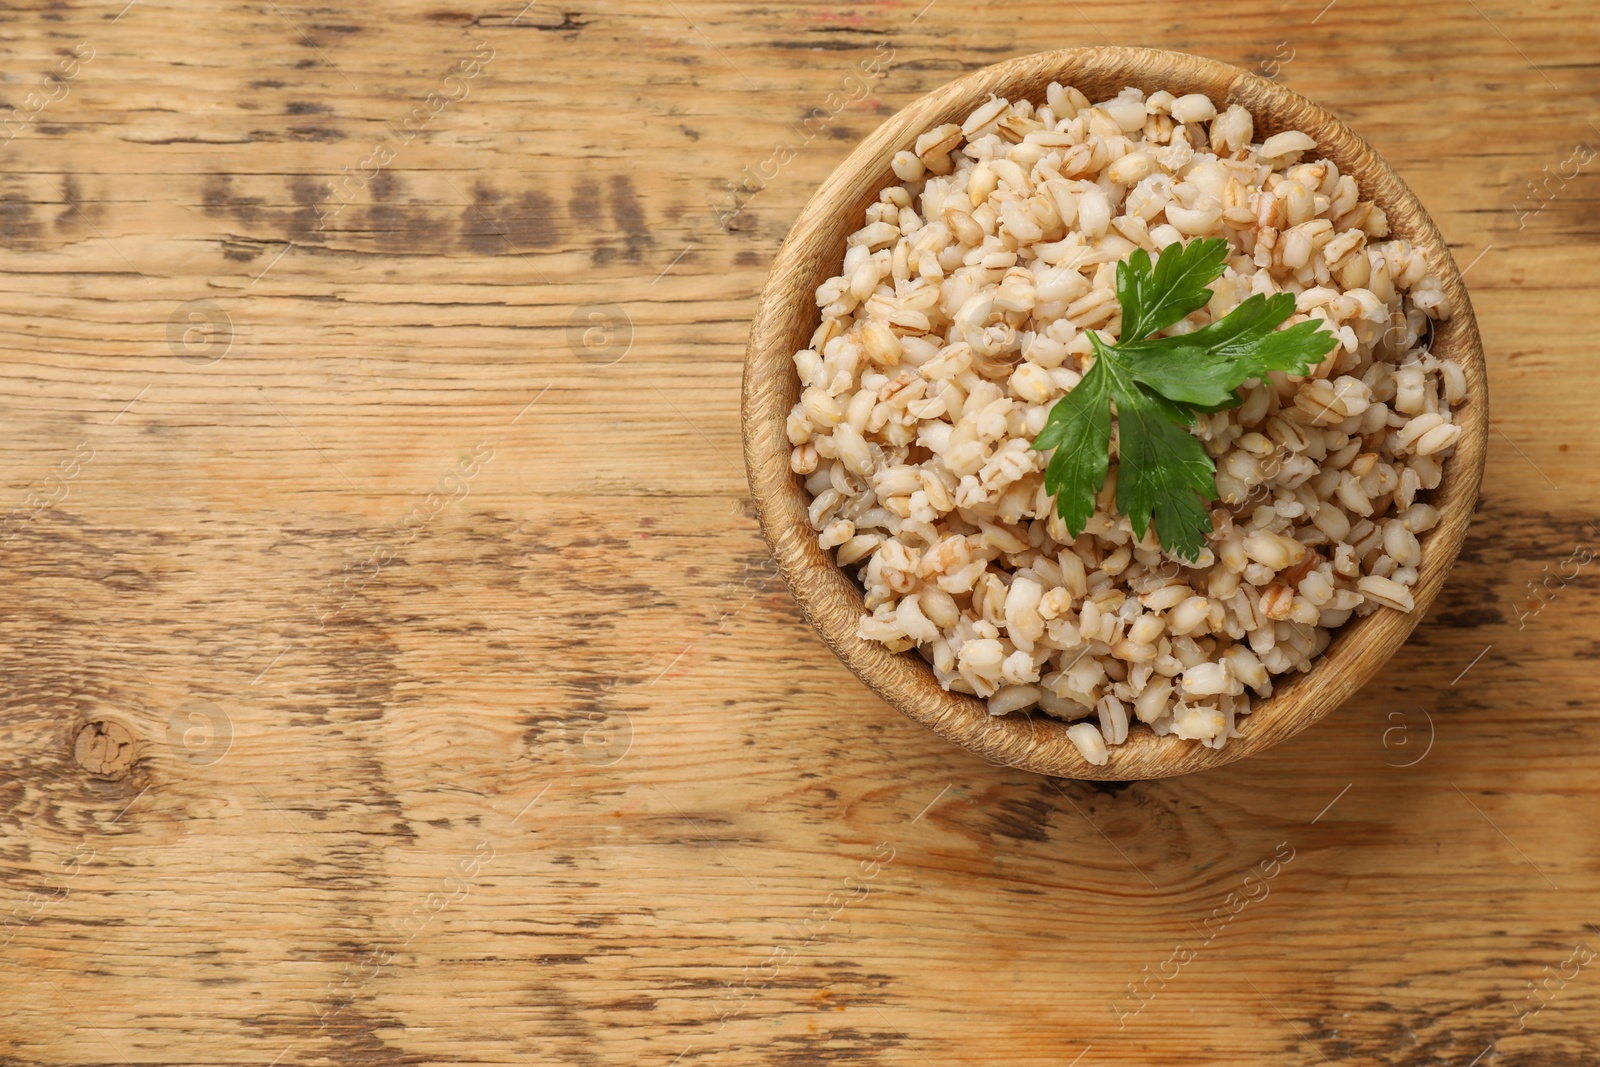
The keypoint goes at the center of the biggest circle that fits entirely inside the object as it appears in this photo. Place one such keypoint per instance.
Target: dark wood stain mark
(841, 1045)
(218, 200)
(18, 226)
(481, 228)
(397, 226)
(240, 250)
(637, 1003)
(305, 222)
(75, 209)
(540, 17)
(1419, 1042)
(535, 224)
(492, 226)
(314, 133)
(356, 1037)
(1023, 816)
(583, 206)
(821, 46)
(629, 217)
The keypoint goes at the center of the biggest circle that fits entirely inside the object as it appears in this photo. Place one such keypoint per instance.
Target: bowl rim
(830, 599)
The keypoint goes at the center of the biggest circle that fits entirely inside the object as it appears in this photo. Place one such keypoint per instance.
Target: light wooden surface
(786, 319)
(302, 765)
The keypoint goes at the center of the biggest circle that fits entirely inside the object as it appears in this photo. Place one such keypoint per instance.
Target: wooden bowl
(832, 600)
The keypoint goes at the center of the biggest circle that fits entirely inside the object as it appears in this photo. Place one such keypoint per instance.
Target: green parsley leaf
(1079, 429)
(1161, 469)
(1294, 350)
(1204, 367)
(1159, 385)
(1179, 285)
(1162, 465)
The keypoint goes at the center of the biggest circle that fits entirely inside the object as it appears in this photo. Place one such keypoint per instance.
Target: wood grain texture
(832, 601)
(300, 764)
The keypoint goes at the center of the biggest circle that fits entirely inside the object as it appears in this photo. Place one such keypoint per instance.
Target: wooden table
(393, 673)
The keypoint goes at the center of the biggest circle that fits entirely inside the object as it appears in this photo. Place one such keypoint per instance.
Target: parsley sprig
(1160, 385)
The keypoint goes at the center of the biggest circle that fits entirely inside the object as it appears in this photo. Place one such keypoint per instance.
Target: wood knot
(105, 749)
